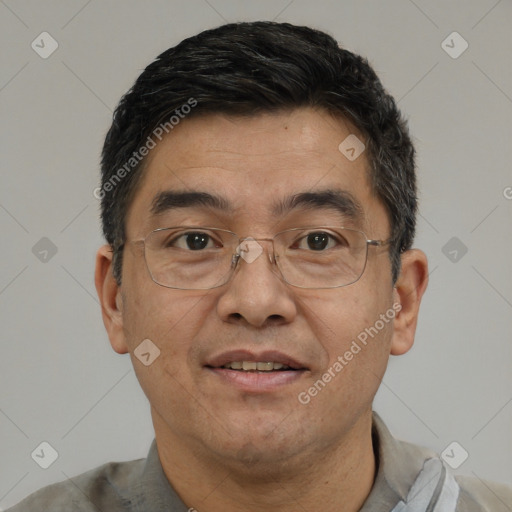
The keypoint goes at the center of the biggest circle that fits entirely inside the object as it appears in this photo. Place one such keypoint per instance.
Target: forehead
(255, 165)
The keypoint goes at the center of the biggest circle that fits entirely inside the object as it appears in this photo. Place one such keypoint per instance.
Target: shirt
(409, 479)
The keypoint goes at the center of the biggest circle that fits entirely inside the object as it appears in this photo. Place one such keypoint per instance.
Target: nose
(256, 294)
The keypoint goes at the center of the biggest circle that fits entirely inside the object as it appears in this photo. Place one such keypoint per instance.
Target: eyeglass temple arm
(379, 243)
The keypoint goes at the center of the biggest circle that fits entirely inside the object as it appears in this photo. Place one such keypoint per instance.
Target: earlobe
(109, 294)
(408, 292)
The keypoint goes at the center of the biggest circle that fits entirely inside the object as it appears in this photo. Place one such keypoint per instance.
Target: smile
(251, 366)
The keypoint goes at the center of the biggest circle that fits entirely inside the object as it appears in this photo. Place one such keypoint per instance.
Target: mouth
(253, 366)
(246, 361)
(256, 373)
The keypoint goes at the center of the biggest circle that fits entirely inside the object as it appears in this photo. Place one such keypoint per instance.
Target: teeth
(252, 366)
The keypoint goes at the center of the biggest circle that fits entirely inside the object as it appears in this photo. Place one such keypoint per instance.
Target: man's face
(252, 164)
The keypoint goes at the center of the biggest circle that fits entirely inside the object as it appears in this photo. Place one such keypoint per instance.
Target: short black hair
(247, 69)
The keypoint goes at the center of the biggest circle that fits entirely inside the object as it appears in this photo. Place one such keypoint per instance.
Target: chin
(263, 462)
(266, 447)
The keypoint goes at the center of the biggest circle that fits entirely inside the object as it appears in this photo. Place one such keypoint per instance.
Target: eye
(319, 241)
(194, 241)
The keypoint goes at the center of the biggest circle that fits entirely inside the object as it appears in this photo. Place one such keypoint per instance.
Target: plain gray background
(60, 380)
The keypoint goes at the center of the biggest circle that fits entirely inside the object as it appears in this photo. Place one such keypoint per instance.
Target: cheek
(171, 319)
(337, 316)
(151, 310)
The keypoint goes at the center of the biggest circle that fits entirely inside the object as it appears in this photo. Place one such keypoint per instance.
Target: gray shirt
(409, 479)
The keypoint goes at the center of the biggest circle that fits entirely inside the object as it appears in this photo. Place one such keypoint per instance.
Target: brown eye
(319, 241)
(193, 241)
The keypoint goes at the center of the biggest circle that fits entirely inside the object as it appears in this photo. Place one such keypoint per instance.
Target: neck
(339, 477)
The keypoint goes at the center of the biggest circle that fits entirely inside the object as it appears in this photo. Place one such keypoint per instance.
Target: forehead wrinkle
(267, 152)
(231, 169)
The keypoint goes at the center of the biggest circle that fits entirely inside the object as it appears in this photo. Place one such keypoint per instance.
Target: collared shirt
(409, 479)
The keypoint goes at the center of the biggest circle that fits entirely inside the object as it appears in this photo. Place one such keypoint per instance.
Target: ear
(111, 299)
(410, 286)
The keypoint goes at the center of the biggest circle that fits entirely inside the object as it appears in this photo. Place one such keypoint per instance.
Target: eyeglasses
(202, 258)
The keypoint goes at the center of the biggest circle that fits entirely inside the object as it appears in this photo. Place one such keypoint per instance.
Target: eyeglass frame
(236, 256)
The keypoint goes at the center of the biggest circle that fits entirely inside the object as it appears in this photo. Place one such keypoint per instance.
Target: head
(254, 113)
(244, 69)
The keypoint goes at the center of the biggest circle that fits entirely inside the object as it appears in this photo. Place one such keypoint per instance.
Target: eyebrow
(341, 201)
(172, 199)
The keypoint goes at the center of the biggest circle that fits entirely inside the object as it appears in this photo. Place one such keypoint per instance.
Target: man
(258, 200)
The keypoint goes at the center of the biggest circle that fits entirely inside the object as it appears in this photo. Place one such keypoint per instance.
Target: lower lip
(257, 382)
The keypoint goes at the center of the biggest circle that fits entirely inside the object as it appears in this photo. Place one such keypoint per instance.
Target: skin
(223, 448)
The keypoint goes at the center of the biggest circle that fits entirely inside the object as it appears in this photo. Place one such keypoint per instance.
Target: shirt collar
(399, 463)
(152, 491)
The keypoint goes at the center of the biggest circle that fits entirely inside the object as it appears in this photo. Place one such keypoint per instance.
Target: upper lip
(246, 355)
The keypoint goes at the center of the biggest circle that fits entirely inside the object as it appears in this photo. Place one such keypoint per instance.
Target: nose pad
(234, 260)
(252, 251)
